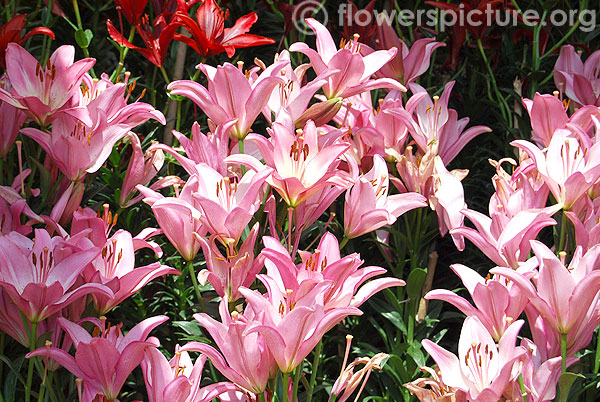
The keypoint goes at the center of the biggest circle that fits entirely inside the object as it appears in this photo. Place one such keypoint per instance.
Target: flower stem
(522, 386)
(563, 233)
(286, 383)
(563, 353)
(297, 376)
(124, 51)
(315, 366)
(344, 241)
(190, 265)
(32, 342)
(597, 359)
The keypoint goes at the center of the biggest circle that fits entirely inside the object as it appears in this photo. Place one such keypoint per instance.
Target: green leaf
(83, 38)
(565, 382)
(414, 283)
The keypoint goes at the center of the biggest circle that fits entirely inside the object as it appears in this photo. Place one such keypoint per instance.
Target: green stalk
(563, 353)
(86, 52)
(123, 54)
(596, 360)
(563, 233)
(165, 76)
(241, 150)
(32, 341)
(297, 376)
(285, 382)
(522, 386)
(344, 241)
(504, 108)
(313, 375)
(190, 265)
(261, 397)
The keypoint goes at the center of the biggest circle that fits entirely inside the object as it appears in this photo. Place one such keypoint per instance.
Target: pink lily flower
(448, 200)
(438, 391)
(104, 362)
(12, 206)
(39, 275)
(210, 149)
(80, 147)
(347, 281)
(368, 206)
(408, 64)
(292, 324)
(178, 217)
(354, 70)
(290, 96)
(482, 369)
(303, 163)
(244, 358)
(43, 92)
(178, 379)
(237, 268)
(568, 167)
(503, 239)
(228, 203)
(497, 305)
(565, 297)
(540, 375)
(587, 232)
(522, 190)
(141, 169)
(578, 80)
(432, 123)
(115, 268)
(548, 114)
(11, 322)
(230, 95)
(12, 120)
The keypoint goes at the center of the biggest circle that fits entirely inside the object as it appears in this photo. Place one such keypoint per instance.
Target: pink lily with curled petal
(497, 305)
(115, 268)
(483, 369)
(303, 163)
(210, 149)
(105, 362)
(568, 167)
(565, 297)
(178, 217)
(230, 95)
(12, 120)
(178, 379)
(292, 324)
(226, 273)
(43, 92)
(228, 203)
(432, 123)
(39, 275)
(548, 114)
(368, 206)
(408, 64)
(503, 239)
(448, 199)
(12, 205)
(243, 357)
(579, 81)
(324, 265)
(141, 169)
(354, 70)
(79, 146)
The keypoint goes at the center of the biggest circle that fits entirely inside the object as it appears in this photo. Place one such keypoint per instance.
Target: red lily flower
(11, 32)
(210, 37)
(133, 10)
(478, 30)
(156, 38)
(352, 23)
